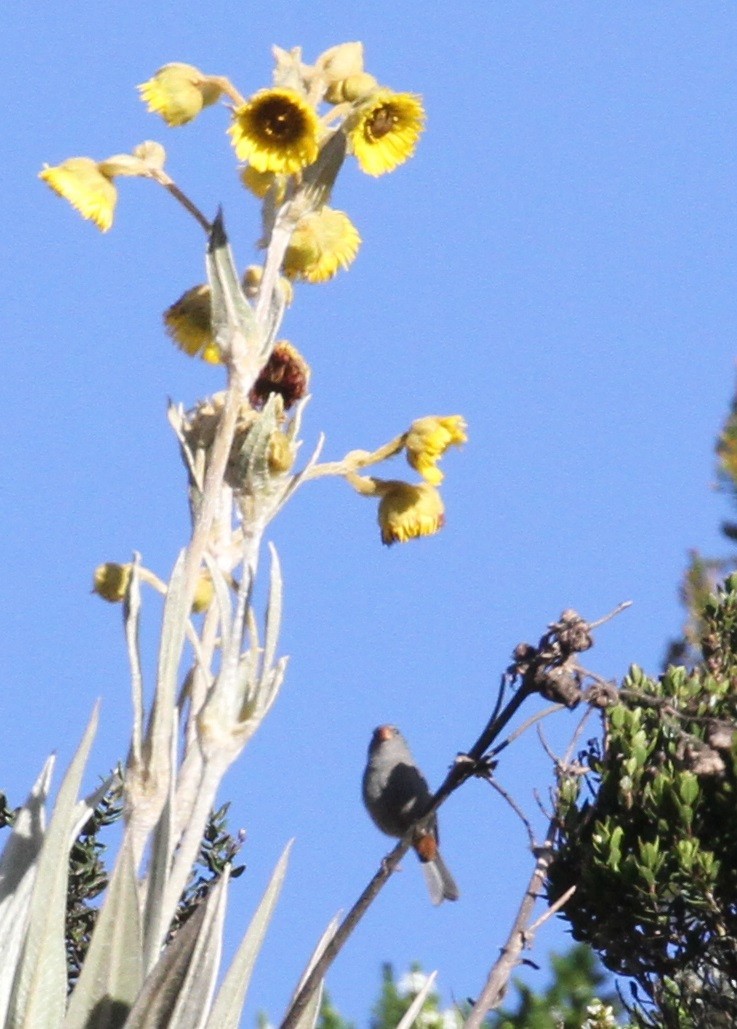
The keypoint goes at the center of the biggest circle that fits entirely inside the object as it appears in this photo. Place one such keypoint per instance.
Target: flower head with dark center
(276, 131)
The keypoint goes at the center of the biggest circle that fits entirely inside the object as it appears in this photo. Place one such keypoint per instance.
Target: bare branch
(612, 614)
(552, 910)
(496, 984)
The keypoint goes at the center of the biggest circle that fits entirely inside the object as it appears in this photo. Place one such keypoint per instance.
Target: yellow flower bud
(280, 453)
(203, 593)
(260, 182)
(351, 88)
(252, 281)
(178, 92)
(111, 580)
(338, 62)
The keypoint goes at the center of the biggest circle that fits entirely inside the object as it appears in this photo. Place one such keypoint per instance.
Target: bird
(396, 795)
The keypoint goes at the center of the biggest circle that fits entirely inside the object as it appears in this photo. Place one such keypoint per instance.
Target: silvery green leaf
(228, 1006)
(17, 876)
(174, 619)
(248, 467)
(40, 987)
(223, 598)
(318, 180)
(273, 610)
(416, 1006)
(155, 915)
(193, 1003)
(131, 618)
(84, 808)
(112, 973)
(175, 616)
(26, 837)
(232, 318)
(177, 993)
(308, 1018)
(309, 1015)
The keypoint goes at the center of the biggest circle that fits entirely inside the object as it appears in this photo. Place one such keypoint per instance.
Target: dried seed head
(285, 373)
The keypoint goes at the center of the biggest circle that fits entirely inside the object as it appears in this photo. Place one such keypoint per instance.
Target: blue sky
(557, 264)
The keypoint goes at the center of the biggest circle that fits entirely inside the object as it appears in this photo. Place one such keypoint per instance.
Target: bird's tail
(440, 882)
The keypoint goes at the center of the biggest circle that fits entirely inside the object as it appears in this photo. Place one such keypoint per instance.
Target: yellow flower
(276, 130)
(188, 323)
(427, 441)
(322, 242)
(91, 192)
(384, 131)
(407, 511)
(110, 581)
(178, 92)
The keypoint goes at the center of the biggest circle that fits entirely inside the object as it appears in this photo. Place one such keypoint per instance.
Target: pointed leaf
(222, 594)
(39, 994)
(131, 619)
(195, 997)
(416, 1006)
(17, 876)
(273, 610)
(112, 973)
(156, 919)
(174, 619)
(26, 837)
(228, 1007)
(232, 315)
(308, 1017)
(176, 993)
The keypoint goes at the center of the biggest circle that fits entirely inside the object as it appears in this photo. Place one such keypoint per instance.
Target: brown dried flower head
(286, 373)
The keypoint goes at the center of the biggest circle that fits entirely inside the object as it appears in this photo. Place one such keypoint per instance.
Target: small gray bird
(396, 795)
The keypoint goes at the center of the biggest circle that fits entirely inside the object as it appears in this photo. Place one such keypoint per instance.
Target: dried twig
(518, 938)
